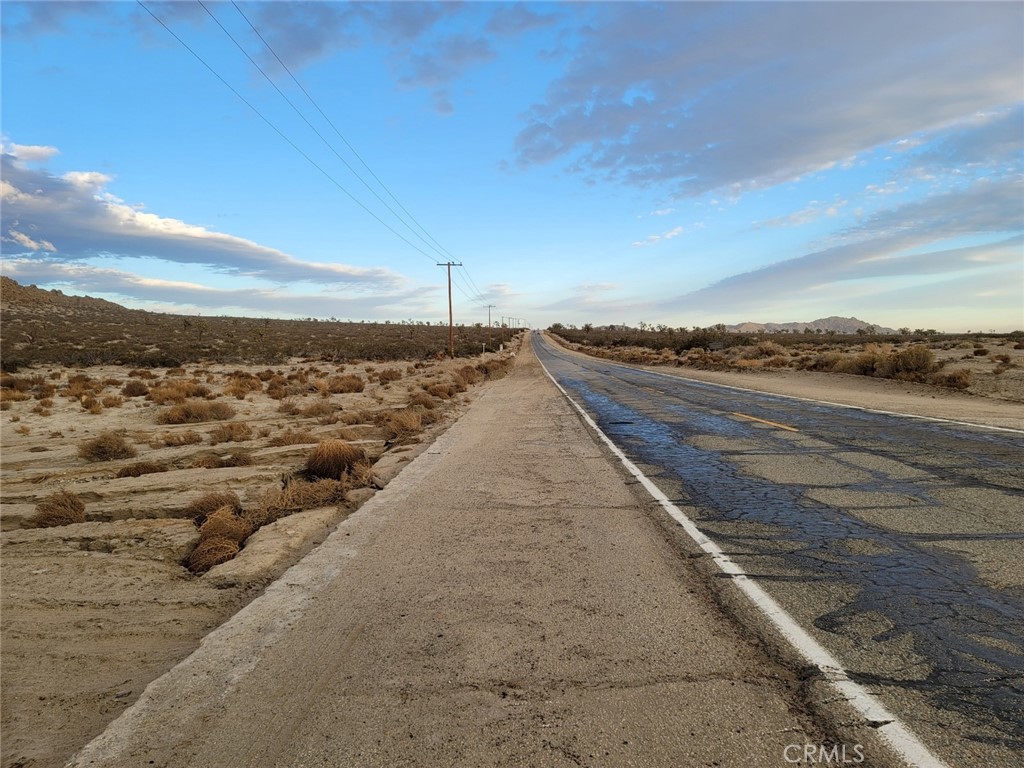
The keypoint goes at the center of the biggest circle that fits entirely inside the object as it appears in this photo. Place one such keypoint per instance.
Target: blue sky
(678, 163)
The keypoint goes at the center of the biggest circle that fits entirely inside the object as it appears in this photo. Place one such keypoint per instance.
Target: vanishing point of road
(516, 596)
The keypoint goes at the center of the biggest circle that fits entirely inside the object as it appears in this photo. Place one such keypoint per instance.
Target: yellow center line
(765, 421)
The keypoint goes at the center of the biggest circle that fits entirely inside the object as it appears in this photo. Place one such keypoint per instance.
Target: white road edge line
(898, 736)
(806, 399)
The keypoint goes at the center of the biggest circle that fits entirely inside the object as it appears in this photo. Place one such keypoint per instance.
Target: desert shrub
(177, 392)
(980, 352)
(403, 424)
(345, 384)
(10, 395)
(825, 361)
(141, 373)
(106, 447)
(776, 361)
(226, 433)
(200, 508)
(916, 360)
(423, 400)
(241, 384)
(194, 411)
(958, 379)
(295, 497)
(470, 374)
(297, 437)
(442, 391)
(61, 508)
(134, 388)
(112, 401)
(211, 552)
(317, 410)
(388, 375)
(142, 468)
(331, 459)
(226, 522)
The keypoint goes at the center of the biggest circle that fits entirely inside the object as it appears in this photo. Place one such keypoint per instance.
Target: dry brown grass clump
(344, 384)
(106, 447)
(134, 388)
(403, 424)
(226, 522)
(142, 468)
(332, 459)
(388, 375)
(228, 433)
(958, 379)
(241, 384)
(177, 392)
(295, 497)
(211, 552)
(294, 437)
(442, 391)
(61, 508)
(201, 507)
(195, 411)
(317, 410)
(423, 400)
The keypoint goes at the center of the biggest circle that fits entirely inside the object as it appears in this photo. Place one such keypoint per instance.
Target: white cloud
(185, 295)
(652, 239)
(77, 219)
(29, 153)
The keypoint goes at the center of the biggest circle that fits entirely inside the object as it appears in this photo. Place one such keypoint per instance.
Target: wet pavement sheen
(898, 540)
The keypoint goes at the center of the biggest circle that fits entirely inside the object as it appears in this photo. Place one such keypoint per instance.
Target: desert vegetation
(298, 434)
(961, 362)
(49, 327)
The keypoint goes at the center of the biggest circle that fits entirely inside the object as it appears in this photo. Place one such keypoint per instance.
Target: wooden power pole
(489, 308)
(451, 325)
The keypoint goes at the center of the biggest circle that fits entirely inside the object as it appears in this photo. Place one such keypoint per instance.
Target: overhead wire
(436, 246)
(313, 128)
(440, 248)
(280, 133)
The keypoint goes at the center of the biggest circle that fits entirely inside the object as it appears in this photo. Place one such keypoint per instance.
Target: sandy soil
(92, 612)
(95, 611)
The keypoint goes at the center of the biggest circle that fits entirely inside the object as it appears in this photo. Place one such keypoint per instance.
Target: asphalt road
(896, 542)
(509, 599)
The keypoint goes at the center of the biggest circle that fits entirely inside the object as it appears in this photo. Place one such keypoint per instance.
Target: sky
(679, 164)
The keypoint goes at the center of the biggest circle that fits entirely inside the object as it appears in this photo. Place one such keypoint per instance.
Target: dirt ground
(93, 612)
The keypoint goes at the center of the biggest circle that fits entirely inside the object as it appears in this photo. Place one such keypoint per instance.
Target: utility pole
(489, 308)
(451, 325)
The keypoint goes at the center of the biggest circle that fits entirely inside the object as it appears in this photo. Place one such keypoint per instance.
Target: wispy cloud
(653, 96)
(184, 295)
(652, 239)
(917, 240)
(73, 217)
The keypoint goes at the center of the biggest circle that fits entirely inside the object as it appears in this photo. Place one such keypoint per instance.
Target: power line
(338, 132)
(283, 136)
(437, 245)
(293, 145)
(312, 127)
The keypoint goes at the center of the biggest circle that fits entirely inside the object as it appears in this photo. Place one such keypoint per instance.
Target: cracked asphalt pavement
(897, 542)
(510, 599)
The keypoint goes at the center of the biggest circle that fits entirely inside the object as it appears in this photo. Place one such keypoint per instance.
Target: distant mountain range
(825, 324)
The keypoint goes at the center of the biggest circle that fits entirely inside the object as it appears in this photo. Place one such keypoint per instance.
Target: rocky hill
(825, 324)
